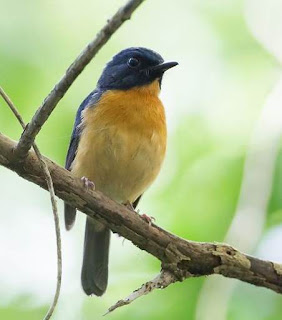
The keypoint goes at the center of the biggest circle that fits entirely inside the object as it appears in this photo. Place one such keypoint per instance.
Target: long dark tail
(94, 273)
(70, 214)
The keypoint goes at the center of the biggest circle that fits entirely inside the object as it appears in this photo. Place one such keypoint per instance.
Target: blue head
(133, 67)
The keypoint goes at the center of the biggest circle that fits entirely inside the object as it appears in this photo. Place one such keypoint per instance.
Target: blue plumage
(117, 153)
(90, 100)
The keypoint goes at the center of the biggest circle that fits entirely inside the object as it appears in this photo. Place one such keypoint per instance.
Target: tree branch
(161, 281)
(252, 206)
(50, 102)
(181, 257)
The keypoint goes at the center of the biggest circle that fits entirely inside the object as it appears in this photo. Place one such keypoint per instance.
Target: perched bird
(118, 143)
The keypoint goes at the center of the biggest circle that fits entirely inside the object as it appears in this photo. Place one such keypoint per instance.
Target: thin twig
(12, 107)
(50, 102)
(161, 281)
(53, 202)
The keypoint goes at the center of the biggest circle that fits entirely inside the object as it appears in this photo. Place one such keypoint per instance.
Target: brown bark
(181, 257)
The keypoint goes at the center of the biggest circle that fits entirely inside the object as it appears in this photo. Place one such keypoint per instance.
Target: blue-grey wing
(90, 101)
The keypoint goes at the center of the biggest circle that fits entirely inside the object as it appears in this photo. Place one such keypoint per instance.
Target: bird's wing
(90, 101)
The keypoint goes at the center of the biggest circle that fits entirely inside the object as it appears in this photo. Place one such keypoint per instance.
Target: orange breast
(123, 142)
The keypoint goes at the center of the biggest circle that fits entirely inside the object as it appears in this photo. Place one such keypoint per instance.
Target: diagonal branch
(50, 102)
(49, 181)
(181, 257)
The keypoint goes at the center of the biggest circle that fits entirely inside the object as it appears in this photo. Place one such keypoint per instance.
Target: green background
(213, 100)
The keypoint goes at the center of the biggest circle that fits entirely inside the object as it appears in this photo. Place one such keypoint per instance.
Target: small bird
(118, 144)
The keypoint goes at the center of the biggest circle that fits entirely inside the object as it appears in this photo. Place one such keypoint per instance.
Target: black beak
(161, 68)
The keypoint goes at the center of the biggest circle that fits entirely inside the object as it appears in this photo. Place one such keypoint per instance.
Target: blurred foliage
(275, 203)
(217, 93)
(18, 310)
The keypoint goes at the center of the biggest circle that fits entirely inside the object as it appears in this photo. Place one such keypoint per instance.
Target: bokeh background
(222, 177)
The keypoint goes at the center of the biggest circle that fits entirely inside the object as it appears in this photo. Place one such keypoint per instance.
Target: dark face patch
(131, 68)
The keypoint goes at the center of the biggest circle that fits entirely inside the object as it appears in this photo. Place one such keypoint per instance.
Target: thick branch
(50, 102)
(181, 257)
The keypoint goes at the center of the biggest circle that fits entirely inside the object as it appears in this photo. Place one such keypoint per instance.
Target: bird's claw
(144, 216)
(88, 184)
(129, 206)
(147, 218)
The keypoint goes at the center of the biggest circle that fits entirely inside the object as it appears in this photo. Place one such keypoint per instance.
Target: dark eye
(133, 62)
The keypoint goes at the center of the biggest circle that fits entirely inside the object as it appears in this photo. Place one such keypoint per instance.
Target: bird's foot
(129, 206)
(144, 216)
(88, 184)
(147, 218)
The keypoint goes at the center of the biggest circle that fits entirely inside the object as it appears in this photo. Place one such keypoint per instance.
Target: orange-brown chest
(137, 110)
(123, 142)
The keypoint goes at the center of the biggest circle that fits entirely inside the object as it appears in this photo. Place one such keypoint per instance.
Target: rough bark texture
(161, 281)
(180, 257)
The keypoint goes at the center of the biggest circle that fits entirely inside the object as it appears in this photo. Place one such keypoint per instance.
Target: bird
(118, 144)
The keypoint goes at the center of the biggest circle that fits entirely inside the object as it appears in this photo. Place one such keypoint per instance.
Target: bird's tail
(70, 214)
(94, 274)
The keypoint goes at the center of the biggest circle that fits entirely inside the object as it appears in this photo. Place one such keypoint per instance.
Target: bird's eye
(133, 62)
